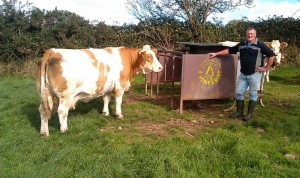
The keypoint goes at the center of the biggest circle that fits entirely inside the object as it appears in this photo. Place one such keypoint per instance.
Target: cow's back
(84, 73)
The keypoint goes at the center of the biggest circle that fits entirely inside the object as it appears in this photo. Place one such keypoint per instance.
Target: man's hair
(251, 28)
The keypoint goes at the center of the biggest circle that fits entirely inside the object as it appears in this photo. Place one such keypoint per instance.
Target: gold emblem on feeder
(210, 72)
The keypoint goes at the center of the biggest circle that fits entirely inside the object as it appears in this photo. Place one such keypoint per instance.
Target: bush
(292, 56)
(25, 69)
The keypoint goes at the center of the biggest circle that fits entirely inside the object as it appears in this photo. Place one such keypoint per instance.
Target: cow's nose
(160, 67)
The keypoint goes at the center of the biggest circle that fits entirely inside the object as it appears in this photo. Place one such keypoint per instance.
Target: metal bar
(172, 88)
(146, 85)
(151, 84)
(165, 77)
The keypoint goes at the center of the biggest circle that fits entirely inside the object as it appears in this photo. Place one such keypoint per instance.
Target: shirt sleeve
(265, 50)
(234, 49)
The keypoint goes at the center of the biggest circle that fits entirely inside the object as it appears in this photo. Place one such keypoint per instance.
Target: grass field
(152, 140)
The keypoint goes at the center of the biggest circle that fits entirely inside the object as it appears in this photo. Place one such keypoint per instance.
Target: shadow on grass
(85, 107)
(32, 112)
(286, 81)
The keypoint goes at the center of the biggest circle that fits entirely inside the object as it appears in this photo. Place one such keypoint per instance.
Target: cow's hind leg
(106, 100)
(63, 110)
(44, 113)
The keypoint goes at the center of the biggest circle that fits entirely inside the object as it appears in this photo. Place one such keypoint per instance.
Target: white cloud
(264, 9)
(109, 11)
(114, 11)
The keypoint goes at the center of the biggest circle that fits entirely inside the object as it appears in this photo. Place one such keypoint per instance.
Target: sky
(114, 12)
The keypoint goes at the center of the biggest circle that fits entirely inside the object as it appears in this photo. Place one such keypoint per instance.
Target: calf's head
(150, 62)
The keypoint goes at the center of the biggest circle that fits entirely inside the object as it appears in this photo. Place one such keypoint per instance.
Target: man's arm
(268, 66)
(223, 52)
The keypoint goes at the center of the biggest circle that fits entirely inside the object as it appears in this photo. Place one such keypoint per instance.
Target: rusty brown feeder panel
(205, 78)
(200, 77)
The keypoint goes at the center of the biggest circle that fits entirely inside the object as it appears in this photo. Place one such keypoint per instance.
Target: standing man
(252, 67)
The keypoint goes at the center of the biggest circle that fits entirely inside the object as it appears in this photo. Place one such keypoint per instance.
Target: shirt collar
(255, 41)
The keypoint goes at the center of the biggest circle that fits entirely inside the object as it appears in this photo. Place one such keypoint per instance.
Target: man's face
(251, 35)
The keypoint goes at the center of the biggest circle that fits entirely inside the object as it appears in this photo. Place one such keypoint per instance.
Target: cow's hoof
(105, 114)
(120, 116)
(44, 134)
(63, 130)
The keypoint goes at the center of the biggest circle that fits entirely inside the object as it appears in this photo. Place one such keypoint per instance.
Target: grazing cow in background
(69, 75)
(276, 47)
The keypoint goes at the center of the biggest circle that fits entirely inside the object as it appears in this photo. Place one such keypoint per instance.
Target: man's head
(251, 34)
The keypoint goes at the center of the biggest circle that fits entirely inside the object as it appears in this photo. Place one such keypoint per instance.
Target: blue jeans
(245, 81)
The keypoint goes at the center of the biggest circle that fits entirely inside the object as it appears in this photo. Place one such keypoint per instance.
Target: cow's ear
(145, 48)
(155, 51)
(267, 43)
(283, 45)
(143, 54)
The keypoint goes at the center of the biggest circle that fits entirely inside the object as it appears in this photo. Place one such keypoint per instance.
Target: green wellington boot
(251, 107)
(239, 109)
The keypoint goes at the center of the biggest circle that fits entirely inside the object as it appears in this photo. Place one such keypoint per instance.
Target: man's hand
(212, 55)
(261, 69)
(267, 67)
(220, 53)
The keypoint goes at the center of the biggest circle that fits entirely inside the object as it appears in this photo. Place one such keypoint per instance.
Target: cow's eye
(149, 57)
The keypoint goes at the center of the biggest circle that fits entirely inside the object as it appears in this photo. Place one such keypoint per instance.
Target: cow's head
(151, 63)
(277, 47)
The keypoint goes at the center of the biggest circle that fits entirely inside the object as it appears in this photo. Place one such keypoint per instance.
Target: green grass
(97, 146)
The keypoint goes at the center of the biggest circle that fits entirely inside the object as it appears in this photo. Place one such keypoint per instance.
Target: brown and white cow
(277, 48)
(69, 75)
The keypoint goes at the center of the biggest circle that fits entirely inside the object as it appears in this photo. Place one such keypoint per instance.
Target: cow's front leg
(106, 100)
(63, 110)
(119, 97)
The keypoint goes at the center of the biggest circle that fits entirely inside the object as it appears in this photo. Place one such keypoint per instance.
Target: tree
(235, 29)
(193, 12)
(163, 33)
(60, 29)
(13, 30)
(105, 35)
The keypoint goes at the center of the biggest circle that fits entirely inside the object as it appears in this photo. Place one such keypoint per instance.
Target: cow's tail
(46, 96)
